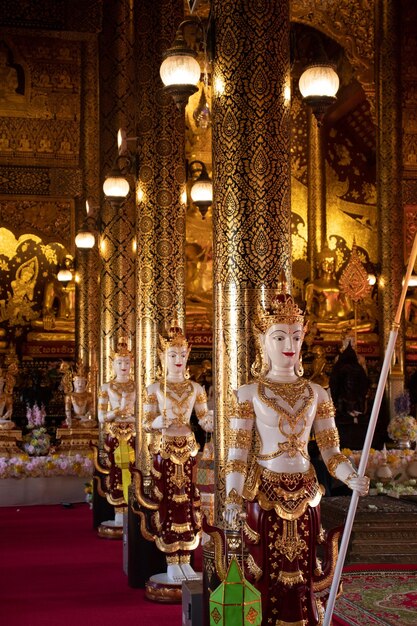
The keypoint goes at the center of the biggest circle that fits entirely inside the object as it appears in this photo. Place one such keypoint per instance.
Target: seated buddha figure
(79, 403)
(277, 486)
(326, 305)
(176, 522)
(58, 309)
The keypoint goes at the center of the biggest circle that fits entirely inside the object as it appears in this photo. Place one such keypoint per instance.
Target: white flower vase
(384, 473)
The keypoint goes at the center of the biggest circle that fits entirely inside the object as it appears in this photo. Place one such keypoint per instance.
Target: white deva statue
(168, 407)
(280, 490)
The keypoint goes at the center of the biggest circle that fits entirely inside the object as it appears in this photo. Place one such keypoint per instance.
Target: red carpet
(56, 571)
(384, 595)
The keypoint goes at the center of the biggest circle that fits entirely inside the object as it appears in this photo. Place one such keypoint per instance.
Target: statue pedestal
(160, 588)
(76, 440)
(113, 529)
(8, 441)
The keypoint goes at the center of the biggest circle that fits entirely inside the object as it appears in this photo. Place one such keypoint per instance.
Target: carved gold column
(251, 217)
(160, 272)
(389, 178)
(316, 192)
(117, 245)
(87, 261)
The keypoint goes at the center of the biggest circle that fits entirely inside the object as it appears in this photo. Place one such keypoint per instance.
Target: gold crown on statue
(122, 347)
(81, 370)
(281, 310)
(175, 339)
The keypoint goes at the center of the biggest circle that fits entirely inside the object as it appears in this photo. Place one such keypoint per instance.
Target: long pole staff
(368, 440)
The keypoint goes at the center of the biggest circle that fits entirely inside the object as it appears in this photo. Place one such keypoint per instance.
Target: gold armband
(328, 438)
(151, 399)
(235, 466)
(201, 397)
(240, 438)
(325, 410)
(148, 418)
(103, 394)
(201, 413)
(234, 498)
(245, 410)
(334, 462)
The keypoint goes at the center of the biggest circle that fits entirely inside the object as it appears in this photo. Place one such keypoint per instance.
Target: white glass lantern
(319, 80)
(179, 70)
(64, 275)
(116, 186)
(85, 240)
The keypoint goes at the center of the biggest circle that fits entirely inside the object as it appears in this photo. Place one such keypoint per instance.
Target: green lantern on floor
(235, 602)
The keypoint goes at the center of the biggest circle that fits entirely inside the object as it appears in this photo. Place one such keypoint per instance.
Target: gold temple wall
(88, 261)
(251, 213)
(390, 210)
(117, 242)
(160, 267)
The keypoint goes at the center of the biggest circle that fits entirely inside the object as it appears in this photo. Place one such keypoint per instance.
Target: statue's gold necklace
(289, 392)
(119, 387)
(294, 443)
(183, 391)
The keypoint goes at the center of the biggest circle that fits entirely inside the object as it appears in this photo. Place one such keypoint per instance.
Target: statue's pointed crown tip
(282, 308)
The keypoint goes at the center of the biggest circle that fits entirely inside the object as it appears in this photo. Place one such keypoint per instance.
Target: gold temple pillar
(251, 212)
(390, 210)
(87, 328)
(117, 245)
(316, 192)
(160, 267)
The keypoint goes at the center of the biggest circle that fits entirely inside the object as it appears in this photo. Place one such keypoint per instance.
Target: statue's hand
(207, 422)
(358, 483)
(160, 422)
(48, 321)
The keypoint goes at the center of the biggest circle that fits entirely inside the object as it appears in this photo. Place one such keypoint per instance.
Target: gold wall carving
(390, 210)
(51, 218)
(43, 125)
(77, 15)
(27, 265)
(251, 213)
(88, 262)
(160, 268)
(117, 225)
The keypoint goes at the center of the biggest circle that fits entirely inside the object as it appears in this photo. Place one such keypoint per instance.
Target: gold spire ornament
(354, 282)
(354, 279)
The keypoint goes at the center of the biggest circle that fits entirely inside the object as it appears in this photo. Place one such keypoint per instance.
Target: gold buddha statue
(327, 306)
(58, 311)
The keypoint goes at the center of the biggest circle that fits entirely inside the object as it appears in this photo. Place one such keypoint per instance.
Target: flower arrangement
(397, 460)
(22, 466)
(35, 416)
(403, 427)
(37, 442)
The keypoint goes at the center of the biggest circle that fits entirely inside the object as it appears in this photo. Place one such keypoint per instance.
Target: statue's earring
(187, 374)
(298, 368)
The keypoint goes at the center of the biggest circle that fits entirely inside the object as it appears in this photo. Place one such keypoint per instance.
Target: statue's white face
(283, 344)
(176, 360)
(80, 383)
(121, 366)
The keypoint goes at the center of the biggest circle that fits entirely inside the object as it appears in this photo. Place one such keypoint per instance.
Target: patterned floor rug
(377, 596)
